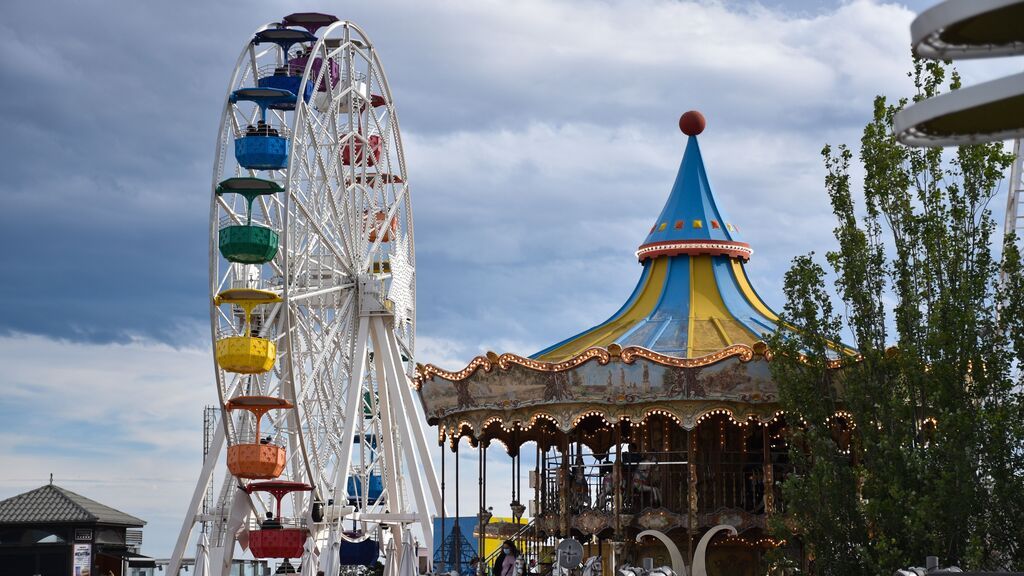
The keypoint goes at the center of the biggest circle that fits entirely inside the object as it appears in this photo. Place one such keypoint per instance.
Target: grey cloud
(541, 139)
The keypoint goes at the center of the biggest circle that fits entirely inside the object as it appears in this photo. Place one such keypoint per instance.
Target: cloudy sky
(541, 140)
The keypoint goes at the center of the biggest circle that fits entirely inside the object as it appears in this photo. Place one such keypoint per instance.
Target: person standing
(510, 561)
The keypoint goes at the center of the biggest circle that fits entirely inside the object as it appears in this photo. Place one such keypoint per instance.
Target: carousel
(654, 438)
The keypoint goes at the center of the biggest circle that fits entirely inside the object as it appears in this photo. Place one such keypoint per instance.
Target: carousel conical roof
(693, 297)
(686, 344)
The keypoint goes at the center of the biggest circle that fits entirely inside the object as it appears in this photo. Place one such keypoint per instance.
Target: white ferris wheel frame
(378, 338)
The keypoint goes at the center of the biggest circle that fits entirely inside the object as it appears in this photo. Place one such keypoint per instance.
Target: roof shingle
(55, 504)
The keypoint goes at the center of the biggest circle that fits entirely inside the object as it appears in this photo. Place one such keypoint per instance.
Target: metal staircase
(526, 541)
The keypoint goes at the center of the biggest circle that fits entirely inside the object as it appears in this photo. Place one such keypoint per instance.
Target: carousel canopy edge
(597, 377)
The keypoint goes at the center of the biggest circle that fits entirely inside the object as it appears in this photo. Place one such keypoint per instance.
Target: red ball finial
(692, 123)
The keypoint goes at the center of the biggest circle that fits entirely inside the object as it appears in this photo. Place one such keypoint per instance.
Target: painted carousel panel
(614, 383)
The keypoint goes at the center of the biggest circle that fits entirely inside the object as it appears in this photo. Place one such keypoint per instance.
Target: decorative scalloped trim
(611, 416)
(628, 355)
(604, 355)
(730, 248)
(742, 351)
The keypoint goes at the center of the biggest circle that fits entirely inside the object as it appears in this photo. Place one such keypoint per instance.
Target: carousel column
(692, 496)
(563, 488)
(515, 497)
(443, 566)
(537, 502)
(517, 492)
(617, 484)
(517, 507)
(458, 557)
(617, 548)
(481, 569)
(768, 474)
(484, 516)
(740, 482)
(519, 481)
(544, 498)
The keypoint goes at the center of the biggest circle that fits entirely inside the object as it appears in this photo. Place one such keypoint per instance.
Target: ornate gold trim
(742, 351)
(603, 356)
(628, 355)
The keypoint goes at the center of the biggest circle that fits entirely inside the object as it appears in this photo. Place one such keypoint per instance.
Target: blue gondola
(365, 553)
(262, 147)
(355, 491)
(287, 76)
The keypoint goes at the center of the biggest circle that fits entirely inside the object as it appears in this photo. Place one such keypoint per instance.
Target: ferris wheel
(312, 290)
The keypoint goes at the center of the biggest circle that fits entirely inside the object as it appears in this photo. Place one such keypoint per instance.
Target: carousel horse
(755, 490)
(643, 482)
(579, 491)
(606, 493)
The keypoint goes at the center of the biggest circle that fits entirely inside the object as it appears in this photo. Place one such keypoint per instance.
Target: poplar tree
(936, 463)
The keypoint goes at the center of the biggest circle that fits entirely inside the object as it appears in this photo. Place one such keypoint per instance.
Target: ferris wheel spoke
(225, 317)
(314, 405)
(312, 221)
(252, 68)
(322, 292)
(313, 430)
(313, 365)
(336, 214)
(357, 50)
(382, 231)
(324, 191)
(269, 321)
(403, 348)
(314, 454)
(319, 361)
(346, 214)
(272, 210)
(236, 217)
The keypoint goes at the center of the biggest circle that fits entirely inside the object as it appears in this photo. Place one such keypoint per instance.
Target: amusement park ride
(312, 291)
(654, 431)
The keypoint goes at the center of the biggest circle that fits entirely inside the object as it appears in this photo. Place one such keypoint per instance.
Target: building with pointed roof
(693, 297)
(663, 420)
(54, 531)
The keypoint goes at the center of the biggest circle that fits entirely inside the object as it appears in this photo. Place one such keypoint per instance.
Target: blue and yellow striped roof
(691, 212)
(693, 297)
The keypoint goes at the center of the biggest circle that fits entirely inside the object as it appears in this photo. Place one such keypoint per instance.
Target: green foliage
(937, 463)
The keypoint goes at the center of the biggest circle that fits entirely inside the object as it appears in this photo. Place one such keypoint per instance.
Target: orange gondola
(259, 460)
